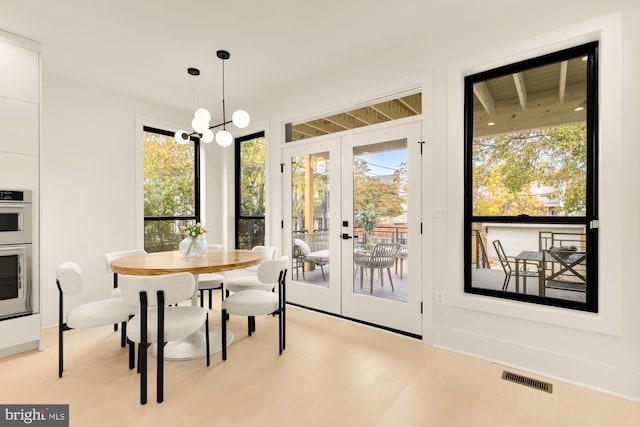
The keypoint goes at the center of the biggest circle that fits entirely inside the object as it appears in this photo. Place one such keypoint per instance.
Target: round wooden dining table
(214, 261)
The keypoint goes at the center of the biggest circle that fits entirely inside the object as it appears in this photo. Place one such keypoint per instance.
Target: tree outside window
(170, 189)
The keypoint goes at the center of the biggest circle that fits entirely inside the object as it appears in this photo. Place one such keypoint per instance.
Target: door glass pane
(380, 219)
(310, 218)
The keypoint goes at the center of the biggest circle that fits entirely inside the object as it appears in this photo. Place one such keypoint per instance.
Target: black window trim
(196, 164)
(237, 163)
(591, 210)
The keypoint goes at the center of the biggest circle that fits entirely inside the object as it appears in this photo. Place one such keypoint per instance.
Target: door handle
(346, 236)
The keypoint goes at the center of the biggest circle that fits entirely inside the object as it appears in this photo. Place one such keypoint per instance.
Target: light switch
(440, 214)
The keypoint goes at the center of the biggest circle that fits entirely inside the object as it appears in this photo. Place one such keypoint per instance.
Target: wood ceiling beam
(315, 126)
(481, 91)
(412, 102)
(384, 110)
(307, 130)
(543, 111)
(562, 84)
(343, 121)
(521, 89)
(356, 116)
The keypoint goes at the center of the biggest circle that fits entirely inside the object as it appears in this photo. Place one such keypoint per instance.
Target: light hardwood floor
(333, 373)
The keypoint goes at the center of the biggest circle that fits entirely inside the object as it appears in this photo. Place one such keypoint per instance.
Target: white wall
(601, 350)
(88, 174)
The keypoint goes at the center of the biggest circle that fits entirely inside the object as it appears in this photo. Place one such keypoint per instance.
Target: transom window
(378, 111)
(531, 180)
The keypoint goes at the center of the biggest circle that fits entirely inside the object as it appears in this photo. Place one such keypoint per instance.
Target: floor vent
(529, 382)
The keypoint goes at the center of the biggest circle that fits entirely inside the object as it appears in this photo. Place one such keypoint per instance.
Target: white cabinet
(20, 71)
(19, 126)
(19, 165)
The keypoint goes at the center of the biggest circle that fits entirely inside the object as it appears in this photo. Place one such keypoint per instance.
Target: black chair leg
(251, 324)
(123, 335)
(142, 366)
(224, 334)
(280, 335)
(60, 329)
(60, 352)
(132, 354)
(210, 300)
(160, 373)
(202, 298)
(206, 335)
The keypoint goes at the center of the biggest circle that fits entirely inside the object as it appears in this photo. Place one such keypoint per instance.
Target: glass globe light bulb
(203, 115)
(207, 136)
(241, 119)
(224, 138)
(181, 137)
(199, 125)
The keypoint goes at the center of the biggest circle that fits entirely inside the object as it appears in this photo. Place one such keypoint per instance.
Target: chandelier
(202, 118)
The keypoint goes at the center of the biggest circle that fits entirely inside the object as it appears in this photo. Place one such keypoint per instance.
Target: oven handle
(20, 264)
(11, 205)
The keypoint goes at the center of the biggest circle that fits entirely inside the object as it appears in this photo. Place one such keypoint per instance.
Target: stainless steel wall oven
(15, 253)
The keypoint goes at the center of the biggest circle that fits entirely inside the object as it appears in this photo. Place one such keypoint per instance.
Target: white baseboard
(605, 378)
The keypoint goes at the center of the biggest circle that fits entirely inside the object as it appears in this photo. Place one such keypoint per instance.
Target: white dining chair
(115, 292)
(158, 322)
(70, 281)
(210, 281)
(252, 281)
(268, 252)
(237, 280)
(256, 302)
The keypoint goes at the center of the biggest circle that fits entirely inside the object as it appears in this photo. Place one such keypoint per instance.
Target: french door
(354, 228)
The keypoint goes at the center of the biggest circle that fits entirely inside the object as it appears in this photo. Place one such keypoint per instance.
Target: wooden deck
(493, 278)
(398, 294)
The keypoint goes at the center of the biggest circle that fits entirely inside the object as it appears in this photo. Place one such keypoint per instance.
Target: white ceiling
(143, 47)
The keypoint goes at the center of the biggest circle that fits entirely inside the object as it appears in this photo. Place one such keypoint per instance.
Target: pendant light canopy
(202, 118)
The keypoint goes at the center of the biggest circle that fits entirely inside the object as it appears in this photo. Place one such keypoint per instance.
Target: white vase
(192, 247)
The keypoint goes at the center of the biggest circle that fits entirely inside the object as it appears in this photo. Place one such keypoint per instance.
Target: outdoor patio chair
(383, 256)
(400, 257)
(506, 262)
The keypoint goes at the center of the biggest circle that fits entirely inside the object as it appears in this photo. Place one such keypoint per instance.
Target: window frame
(238, 190)
(196, 165)
(589, 220)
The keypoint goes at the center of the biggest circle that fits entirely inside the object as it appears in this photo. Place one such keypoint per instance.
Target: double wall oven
(15, 253)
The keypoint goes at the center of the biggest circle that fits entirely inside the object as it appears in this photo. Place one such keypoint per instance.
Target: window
(531, 180)
(367, 115)
(171, 188)
(250, 177)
